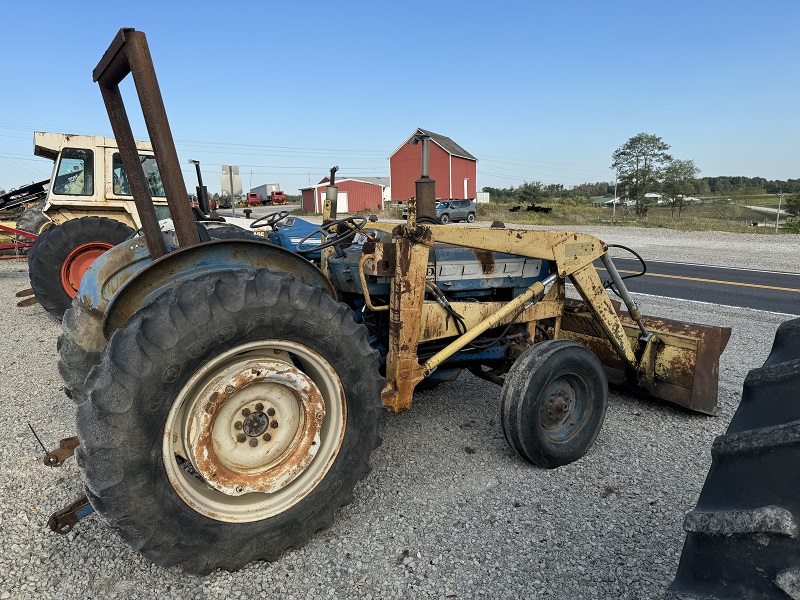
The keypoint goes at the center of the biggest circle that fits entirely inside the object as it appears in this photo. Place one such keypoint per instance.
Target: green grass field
(713, 214)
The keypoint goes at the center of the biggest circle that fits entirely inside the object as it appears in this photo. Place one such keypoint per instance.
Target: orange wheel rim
(76, 264)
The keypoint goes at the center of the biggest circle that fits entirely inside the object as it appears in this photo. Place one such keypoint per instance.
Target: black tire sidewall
(524, 394)
(168, 519)
(54, 246)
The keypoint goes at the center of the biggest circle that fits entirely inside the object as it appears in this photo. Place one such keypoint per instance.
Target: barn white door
(341, 201)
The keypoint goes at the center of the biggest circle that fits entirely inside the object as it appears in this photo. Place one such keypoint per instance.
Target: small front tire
(444, 219)
(471, 218)
(553, 403)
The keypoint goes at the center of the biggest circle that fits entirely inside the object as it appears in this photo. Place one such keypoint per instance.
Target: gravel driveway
(448, 510)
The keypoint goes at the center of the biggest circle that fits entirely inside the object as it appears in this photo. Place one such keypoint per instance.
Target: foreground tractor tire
(60, 257)
(80, 346)
(229, 420)
(742, 538)
(553, 403)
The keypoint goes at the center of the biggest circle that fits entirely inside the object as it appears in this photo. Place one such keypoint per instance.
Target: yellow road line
(753, 285)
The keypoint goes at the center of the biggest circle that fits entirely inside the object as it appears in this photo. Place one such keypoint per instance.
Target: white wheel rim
(254, 430)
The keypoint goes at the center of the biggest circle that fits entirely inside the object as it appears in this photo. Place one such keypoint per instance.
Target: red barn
(355, 195)
(450, 165)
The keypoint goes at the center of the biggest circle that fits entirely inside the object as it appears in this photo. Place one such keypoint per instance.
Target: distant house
(655, 197)
(453, 168)
(608, 201)
(354, 195)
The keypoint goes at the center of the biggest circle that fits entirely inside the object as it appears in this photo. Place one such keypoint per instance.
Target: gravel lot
(448, 510)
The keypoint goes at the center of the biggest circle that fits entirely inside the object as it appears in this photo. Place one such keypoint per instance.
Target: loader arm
(676, 362)
(572, 254)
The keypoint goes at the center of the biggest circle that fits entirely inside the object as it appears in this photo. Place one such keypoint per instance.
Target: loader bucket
(686, 355)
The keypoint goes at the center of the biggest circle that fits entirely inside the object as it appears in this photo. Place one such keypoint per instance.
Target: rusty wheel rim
(254, 430)
(79, 260)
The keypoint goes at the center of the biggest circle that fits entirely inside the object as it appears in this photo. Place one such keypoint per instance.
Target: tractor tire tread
(143, 506)
(54, 246)
(519, 418)
(742, 537)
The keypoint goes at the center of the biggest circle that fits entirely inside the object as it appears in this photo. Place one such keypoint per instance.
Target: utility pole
(778, 216)
(614, 206)
(233, 199)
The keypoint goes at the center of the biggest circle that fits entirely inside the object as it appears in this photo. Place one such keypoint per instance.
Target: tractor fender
(178, 266)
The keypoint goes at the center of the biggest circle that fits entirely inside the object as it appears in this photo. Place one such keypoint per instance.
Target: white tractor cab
(89, 179)
(91, 206)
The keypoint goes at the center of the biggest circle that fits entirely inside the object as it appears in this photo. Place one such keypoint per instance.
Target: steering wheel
(350, 227)
(270, 220)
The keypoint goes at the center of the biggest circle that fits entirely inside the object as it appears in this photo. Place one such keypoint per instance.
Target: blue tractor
(228, 388)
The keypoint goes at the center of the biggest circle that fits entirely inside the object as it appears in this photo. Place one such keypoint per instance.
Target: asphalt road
(748, 288)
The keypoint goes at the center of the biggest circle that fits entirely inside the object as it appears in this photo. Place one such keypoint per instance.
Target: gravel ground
(448, 510)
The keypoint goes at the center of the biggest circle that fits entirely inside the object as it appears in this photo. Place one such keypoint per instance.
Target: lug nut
(271, 412)
(274, 424)
(229, 389)
(245, 412)
(253, 442)
(237, 425)
(259, 407)
(319, 416)
(241, 437)
(239, 489)
(267, 437)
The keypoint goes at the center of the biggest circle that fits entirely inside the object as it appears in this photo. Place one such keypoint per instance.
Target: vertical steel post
(129, 53)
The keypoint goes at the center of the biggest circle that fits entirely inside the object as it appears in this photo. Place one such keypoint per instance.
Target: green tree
(530, 192)
(793, 205)
(679, 182)
(639, 164)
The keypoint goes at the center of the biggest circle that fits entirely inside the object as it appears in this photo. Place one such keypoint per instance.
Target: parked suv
(452, 210)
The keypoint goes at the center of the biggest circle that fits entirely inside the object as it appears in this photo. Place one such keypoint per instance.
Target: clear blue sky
(536, 90)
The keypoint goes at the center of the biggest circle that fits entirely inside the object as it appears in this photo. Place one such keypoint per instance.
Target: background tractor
(88, 209)
(228, 390)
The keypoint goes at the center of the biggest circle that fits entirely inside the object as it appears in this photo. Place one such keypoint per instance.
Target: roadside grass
(712, 214)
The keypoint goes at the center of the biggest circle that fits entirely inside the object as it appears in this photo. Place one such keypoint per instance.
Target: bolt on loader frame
(677, 362)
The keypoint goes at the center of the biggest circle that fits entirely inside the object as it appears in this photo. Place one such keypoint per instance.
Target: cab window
(75, 175)
(122, 186)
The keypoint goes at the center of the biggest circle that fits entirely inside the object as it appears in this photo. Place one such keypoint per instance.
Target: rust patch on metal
(486, 260)
(235, 462)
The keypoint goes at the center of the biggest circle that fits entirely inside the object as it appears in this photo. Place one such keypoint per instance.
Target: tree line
(643, 165)
(701, 186)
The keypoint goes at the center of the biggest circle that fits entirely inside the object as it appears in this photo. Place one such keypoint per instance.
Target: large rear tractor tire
(229, 420)
(743, 538)
(553, 403)
(80, 346)
(60, 258)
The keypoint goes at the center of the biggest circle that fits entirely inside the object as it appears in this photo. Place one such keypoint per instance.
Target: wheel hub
(559, 406)
(259, 428)
(255, 424)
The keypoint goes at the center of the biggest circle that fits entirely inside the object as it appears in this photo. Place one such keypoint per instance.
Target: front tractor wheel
(229, 420)
(553, 403)
(61, 257)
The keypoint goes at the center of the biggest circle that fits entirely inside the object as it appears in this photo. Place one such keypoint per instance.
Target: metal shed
(355, 194)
